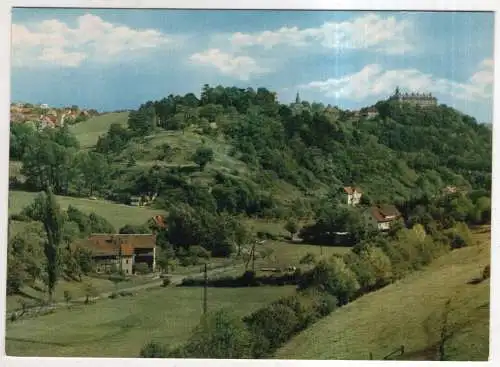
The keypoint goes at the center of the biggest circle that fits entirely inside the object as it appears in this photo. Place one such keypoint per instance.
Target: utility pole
(205, 291)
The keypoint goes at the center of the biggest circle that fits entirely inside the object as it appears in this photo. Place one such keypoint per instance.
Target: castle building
(416, 99)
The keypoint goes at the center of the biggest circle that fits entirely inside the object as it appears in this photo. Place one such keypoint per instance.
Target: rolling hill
(87, 132)
(382, 321)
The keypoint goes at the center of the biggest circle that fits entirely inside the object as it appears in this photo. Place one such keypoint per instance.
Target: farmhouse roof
(159, 220)
(105, 248)
(350, 190)
(143, 241)
(384, 213)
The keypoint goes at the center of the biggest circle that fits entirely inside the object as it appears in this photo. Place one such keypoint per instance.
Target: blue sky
(115, 59)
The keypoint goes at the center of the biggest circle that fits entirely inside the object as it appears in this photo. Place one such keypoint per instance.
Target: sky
(111, 59)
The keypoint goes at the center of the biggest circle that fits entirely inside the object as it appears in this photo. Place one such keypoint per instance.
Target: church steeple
(297, 98)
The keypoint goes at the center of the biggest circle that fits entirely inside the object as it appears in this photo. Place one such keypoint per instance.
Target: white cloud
(241, 67)
(370, 31)
(373, 81)
(55, 42)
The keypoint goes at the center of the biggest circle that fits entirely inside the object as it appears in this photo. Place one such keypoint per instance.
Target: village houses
(353, 195)
(382, 217)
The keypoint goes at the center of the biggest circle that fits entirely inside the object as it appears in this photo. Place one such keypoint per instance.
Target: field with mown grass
(117, 214)
(87, 132)
(120, 327)
(35, 293)
(397, 314)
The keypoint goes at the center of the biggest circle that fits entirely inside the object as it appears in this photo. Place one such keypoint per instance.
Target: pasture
(120, 327)
(117, 214)
(399, 314)
(88, 132)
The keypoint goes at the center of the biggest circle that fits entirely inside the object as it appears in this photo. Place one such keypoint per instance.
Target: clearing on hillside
(398, 314)
(117, 214)
(120, 327)
(87, 132)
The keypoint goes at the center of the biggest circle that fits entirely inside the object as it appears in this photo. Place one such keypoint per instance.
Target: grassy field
(89, 131)
(117, 214)
(77, 290)
(382, 321)
(120, 327)
(286, 254)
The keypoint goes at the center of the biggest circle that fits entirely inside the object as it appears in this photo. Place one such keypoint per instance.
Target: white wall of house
(354, 198)
(384, 226)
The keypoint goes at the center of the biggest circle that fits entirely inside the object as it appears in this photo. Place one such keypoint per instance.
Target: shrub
(142, 268)
(19, 217)
(116, 278)
(166, 282)
(309, 258)
(67, 296)
(13, 317)
(154, 350)
(126, 294)
(219, 335)
(199, 252)
(276, 323)
(486, 272)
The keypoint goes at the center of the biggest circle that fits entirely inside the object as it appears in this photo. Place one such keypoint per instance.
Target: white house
(353, 195)
(382, 216)
(44, 105)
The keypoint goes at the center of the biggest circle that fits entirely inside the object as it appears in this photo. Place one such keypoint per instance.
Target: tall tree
(203, 156)
(46, 210)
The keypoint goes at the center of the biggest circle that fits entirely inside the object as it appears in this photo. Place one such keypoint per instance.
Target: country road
(175, 279)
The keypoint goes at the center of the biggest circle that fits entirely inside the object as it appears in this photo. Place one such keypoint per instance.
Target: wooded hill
(262, 157)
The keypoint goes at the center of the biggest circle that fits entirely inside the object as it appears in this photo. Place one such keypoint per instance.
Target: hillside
(117, 214)
(382, 321)
(281, 157)
(87, 132)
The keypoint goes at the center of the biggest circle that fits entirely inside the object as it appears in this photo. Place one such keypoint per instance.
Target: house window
(126, 261)
(126, 270)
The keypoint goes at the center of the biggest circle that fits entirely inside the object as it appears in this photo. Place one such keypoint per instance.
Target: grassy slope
(120, 327)
(394, 316)
(89, 131)
(116, 214)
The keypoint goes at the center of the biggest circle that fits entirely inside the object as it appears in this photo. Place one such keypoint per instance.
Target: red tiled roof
(110, 244)
(160, 221)
(104, 249)
(385, 213)
(134, 240)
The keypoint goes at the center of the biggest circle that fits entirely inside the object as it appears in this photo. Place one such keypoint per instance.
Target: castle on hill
(417, 99)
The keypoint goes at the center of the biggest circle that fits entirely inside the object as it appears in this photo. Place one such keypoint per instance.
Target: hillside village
(43, 116)
(323, 205)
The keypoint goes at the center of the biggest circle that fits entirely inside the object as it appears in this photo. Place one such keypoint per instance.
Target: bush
(19, 217)
(116, 278)
(154, 350)
(276, 323)
(142, 268)
(219, 335)
(486, 272)
(113, 295)
(126, 294)
(333, 277)
(166, 282)
(198, 252)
